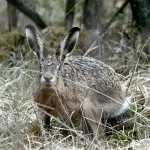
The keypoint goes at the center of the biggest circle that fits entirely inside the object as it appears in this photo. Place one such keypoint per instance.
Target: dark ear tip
(74, 29)
(29, 27)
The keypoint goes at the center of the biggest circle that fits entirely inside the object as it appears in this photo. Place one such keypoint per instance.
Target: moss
(9, 42)
(34, 129)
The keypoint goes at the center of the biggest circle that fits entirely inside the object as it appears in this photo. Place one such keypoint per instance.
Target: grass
(21, 123)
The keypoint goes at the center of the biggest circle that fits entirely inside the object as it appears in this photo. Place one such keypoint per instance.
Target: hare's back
(90, 72)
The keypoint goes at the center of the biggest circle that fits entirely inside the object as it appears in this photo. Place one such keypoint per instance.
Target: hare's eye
(50, 63)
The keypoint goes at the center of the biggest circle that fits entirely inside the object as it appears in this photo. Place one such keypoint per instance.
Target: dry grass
(21, 124)
(20, 121)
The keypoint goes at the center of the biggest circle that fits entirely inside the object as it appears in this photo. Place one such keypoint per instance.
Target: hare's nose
(47, 79)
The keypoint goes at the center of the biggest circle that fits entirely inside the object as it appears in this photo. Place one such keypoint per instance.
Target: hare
(70, 86)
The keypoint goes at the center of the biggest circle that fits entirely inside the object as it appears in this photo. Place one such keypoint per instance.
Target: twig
(115, 15)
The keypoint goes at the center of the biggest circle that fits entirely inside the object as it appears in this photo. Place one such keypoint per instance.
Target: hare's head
(48, 65)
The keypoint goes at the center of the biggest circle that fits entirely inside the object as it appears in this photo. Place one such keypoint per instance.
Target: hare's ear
(35, 40)
(68, 43)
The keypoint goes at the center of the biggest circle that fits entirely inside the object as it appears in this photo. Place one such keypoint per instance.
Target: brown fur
(56, 105)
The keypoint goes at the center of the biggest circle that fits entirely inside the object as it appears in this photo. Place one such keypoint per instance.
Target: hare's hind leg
(95, 117)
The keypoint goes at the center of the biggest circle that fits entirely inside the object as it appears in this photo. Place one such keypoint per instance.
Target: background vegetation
(116, 32)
